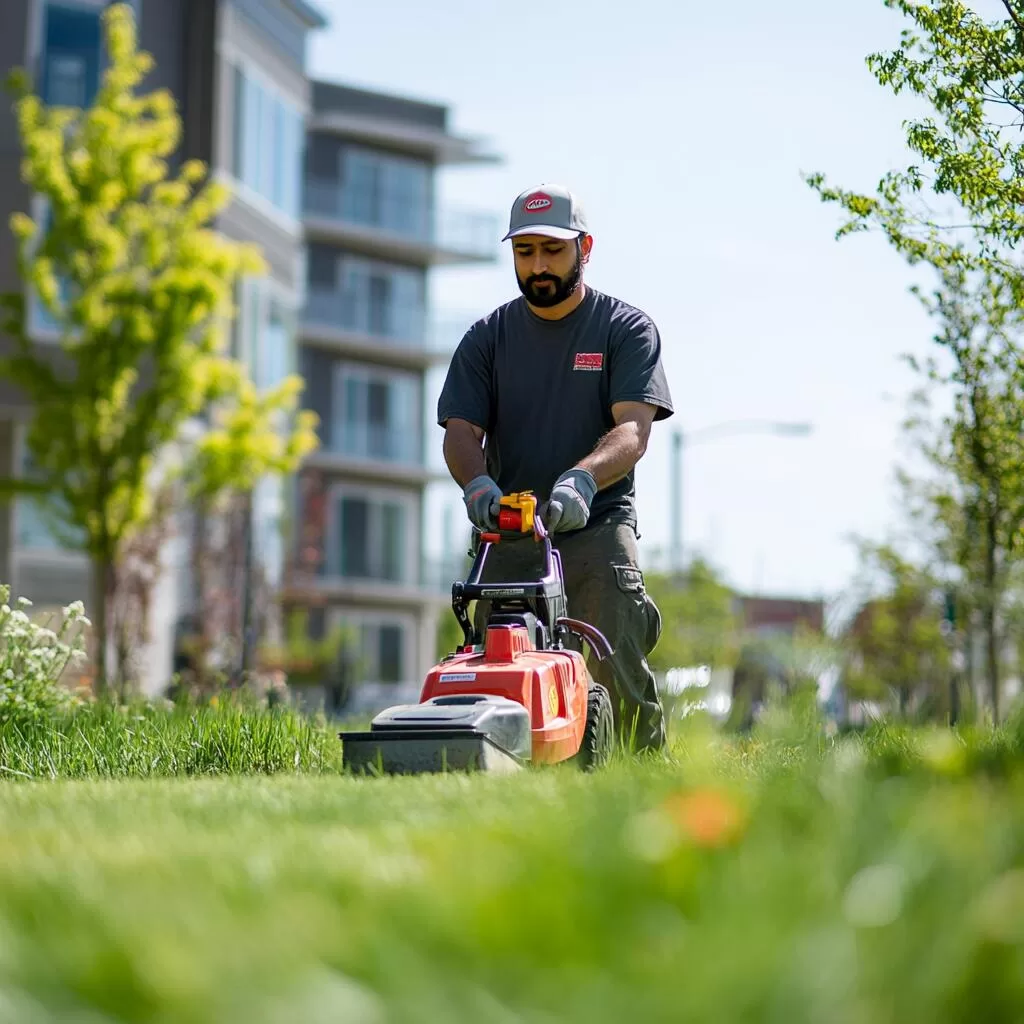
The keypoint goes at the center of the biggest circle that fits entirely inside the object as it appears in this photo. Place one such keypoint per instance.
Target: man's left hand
(568, 508)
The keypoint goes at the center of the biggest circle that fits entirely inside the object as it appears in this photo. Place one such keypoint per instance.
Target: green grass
(789, 878)
(146, 742)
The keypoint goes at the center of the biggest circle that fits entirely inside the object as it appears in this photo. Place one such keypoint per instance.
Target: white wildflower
(32, 660)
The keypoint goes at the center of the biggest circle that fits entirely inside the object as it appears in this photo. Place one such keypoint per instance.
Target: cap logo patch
(588, 361)
(537, 202)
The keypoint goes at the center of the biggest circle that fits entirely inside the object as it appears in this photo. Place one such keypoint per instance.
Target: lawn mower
(515, 695)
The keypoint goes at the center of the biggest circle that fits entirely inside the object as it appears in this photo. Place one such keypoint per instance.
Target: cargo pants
(605, 587)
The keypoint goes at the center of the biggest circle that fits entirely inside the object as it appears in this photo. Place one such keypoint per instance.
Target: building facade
(335, 185)
(375, 233)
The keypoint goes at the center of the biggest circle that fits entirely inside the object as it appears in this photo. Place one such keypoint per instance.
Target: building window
(389, 192)
(276, 354)
(71, 54)
(269, 139)
(376, 414)
(268, 333)
(370, 538)
(265, 343)
(389, 642)
(70, 57)
(33, 531)
(380, 642)
(267, 527)
(70, 50)
(383, 300)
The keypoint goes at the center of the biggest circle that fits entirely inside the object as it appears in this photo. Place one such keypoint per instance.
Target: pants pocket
(630, 580)
(654, 624)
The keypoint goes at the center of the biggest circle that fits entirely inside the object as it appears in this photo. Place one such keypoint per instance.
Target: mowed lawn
(789, 878)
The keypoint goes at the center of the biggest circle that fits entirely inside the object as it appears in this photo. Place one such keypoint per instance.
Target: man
(564, 384)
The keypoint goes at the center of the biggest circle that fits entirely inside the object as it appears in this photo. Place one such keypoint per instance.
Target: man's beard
(556, 290)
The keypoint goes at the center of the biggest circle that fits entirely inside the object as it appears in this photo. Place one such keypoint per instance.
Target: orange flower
(708, 817)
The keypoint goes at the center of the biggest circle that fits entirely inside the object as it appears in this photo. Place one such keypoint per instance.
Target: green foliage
(974, 504)
(698, 623)
(249, 439)
(969, 72)
(33, 660)
(448, 635)
(305, 659)
(897, 646)
(141, 289)
(976, 448)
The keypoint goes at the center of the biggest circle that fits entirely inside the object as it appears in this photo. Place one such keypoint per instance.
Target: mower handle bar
(553, 575)
(598, 641)
(552, 579)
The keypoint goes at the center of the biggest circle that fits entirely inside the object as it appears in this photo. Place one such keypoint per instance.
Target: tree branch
(1014, 16)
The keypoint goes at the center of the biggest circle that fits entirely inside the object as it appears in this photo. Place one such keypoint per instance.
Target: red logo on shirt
(588, 361)
(536, 202)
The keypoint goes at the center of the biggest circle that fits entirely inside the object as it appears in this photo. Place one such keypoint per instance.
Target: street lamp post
(681, 440)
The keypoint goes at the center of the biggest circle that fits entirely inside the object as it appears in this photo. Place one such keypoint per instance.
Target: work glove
(568, 508)
(483, 499)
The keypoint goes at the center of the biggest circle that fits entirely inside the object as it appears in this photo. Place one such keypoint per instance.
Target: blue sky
(685, 129)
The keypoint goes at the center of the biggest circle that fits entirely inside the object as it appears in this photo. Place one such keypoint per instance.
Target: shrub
(33, 659)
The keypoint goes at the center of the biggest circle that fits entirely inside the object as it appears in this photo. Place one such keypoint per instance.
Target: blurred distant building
(368, 337)
(772, 616)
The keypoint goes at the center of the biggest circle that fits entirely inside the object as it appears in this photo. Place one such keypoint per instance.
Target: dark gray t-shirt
(543, 390)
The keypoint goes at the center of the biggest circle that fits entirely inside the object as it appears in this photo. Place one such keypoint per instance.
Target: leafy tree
(699, 626)
(141, 287)
(970, 73)
(974, 503)
(897, 645)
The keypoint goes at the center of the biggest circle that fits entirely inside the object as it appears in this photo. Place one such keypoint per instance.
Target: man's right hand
(483, 499)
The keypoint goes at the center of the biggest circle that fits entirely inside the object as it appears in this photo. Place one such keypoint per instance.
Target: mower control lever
(597, 640)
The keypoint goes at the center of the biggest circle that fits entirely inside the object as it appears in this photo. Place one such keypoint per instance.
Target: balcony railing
(392, 323)
(369, 441)
(459, 231)
(433, 576)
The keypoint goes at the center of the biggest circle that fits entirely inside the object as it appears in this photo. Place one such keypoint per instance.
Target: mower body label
(458, 677)
(502, 591)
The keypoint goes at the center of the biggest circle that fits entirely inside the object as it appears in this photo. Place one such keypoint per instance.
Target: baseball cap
(546, 210)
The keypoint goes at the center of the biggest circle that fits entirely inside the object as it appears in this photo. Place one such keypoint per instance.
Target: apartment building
(346, 211)
(237, 70)
(368, 338)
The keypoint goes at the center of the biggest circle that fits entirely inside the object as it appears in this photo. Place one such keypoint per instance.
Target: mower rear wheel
(599, 733)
